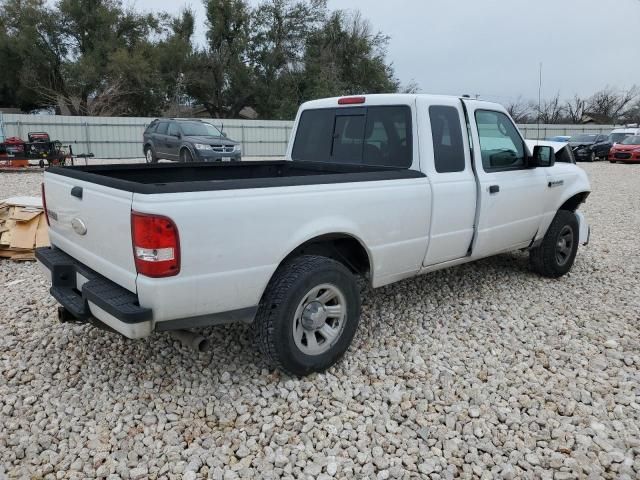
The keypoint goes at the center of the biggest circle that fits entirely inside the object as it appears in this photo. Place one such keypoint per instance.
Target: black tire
(185, 155)
(287, 291)
(612, 161)
(547, 259)
(592, 157)
(150, 155)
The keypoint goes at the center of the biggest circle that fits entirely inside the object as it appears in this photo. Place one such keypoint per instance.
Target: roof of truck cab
(385, 98)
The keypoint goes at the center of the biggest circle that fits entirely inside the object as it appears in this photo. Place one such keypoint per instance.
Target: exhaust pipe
(190, 340)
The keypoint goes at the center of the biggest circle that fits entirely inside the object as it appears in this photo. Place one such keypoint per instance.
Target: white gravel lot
(480, 371)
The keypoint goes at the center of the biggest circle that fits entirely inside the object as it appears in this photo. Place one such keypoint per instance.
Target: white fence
(121, 137)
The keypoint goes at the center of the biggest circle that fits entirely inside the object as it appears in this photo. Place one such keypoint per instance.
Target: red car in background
(626, 151)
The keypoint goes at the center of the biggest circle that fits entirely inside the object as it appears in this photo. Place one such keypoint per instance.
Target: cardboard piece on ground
(5, 237)
(42, 232)
(23, 215)
(23, 235)
(24, 201)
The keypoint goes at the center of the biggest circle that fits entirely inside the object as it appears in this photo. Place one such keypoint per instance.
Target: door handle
(77, 192)
(494, 188)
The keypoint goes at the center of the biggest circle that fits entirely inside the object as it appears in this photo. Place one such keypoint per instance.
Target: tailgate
(93, 225)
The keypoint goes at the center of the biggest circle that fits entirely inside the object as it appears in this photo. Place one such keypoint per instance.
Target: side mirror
(179, 135)
(543, 156)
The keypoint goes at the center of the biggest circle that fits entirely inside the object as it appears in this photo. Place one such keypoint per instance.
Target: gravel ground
(483, 371)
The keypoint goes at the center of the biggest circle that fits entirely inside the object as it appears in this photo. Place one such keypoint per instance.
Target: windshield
(635, 140)
(583, 138)
(199, 129)
(618, 137)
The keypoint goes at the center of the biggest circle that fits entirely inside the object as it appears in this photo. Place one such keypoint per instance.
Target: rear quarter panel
(232, 241)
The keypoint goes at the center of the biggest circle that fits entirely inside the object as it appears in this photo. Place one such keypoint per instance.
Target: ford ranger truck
(384, 187)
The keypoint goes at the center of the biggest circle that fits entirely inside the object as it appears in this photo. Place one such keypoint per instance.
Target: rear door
(445, 158)
(92, 223)
(512, 196)
(160, 139)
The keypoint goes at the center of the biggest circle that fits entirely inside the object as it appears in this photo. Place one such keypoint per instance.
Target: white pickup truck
(380, 186)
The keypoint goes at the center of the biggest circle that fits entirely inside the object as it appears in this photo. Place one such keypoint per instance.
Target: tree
(519, 110)
(279, 31)
(612, 104)
(548, 111)
(218, 76)
(346, 57)
(575, 108)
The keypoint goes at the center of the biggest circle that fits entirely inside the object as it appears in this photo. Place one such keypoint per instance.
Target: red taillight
(351, 100)
(44, 203)
(156, 245)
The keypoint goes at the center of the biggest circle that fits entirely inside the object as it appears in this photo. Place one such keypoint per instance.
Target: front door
(512, 196)
(173, 141)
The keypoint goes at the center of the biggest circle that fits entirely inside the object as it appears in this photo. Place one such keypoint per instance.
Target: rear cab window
(372, 135)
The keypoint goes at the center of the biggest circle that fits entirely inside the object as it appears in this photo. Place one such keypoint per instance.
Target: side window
(173, 129)
(448, 147)
(501, 146)
(162, 128)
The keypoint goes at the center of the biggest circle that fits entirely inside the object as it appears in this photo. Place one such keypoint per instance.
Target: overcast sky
(494, 47)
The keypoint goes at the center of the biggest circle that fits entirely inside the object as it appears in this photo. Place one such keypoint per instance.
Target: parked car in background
(559, 138)
(188, 141)
(589, 147)
(626, 151)
(562, 150)
(619, 134)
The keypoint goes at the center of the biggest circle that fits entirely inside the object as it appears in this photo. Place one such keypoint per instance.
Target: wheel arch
(342, 247)
(573, 202)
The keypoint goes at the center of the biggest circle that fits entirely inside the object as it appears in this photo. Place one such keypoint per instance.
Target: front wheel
(185, 155)
(592, 157)
(308, 315)
(554, 257)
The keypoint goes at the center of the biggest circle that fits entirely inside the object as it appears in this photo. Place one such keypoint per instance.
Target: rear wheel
(308, 315)
(554, 257)
(185, 155)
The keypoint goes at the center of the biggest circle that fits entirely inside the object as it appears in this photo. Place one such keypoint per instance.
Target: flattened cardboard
(23, 235)
(22, 215)
(42, 233)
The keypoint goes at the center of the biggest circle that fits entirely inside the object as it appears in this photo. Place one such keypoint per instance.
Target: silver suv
(188, 141)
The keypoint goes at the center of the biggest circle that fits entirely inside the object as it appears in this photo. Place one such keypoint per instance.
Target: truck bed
(194, 177)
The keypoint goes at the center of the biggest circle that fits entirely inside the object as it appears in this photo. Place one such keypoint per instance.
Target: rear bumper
(87, 294)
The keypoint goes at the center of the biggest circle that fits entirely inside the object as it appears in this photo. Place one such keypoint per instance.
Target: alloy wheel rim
(320, 319)
(564, 245)
(149, 156)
